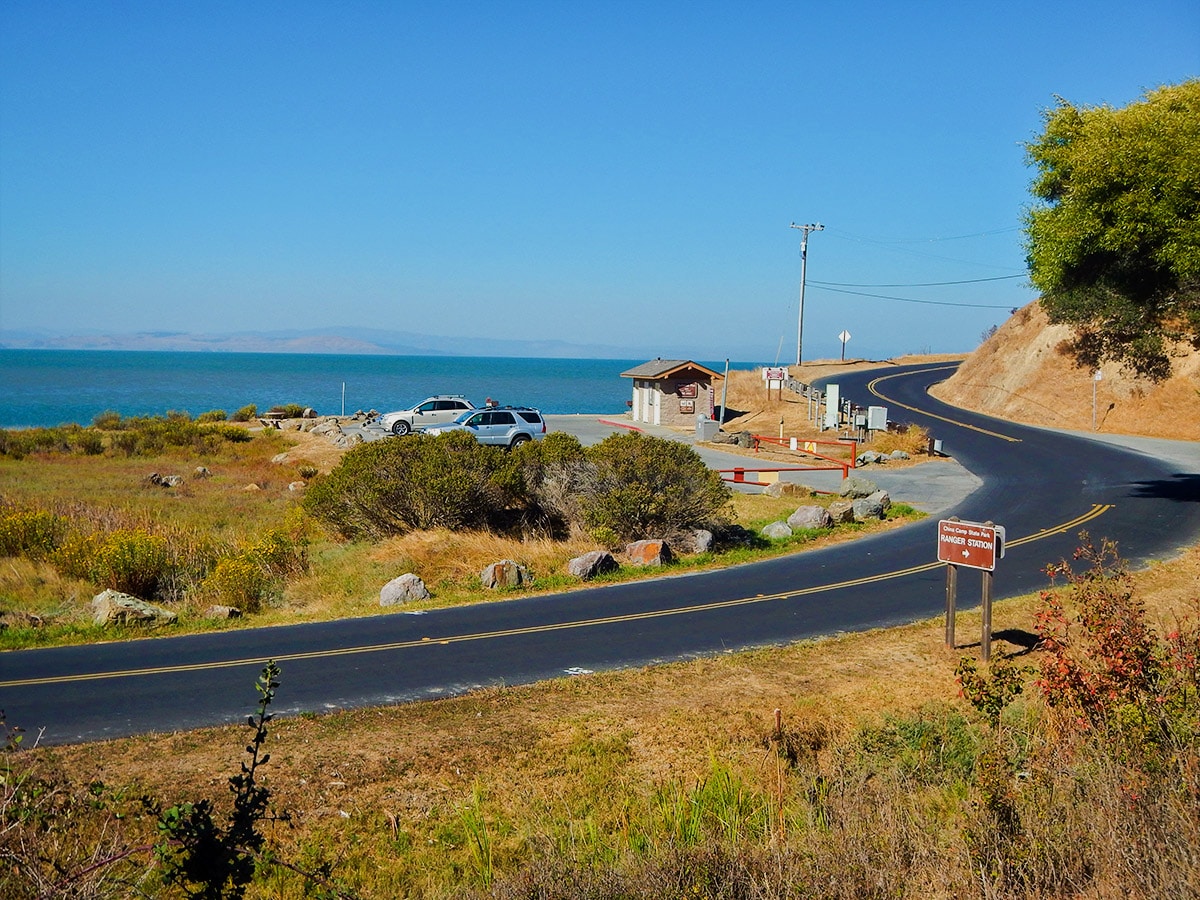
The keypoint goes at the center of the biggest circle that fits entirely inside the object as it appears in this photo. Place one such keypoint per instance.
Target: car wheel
(518, 440)
(400, 427)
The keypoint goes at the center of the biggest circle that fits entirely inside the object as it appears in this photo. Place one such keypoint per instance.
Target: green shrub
(289, 410)
(554, 474)
(88, 441)
(153, 435)
(109, 420)
(650, 487)
(33, 533)
(239, 581)
(282, 551)
(393, 486)
(130, 560)
(245, 414)
(21, 442)
(213, 415)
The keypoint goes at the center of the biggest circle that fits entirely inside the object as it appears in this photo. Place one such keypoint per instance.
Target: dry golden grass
(442, 555)
(1020, 373)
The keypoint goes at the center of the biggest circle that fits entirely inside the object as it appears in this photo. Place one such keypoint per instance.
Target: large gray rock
(504, 573)
(811, 517)
(884, 499)
(867, 508)
(777, 530)
(648, 553)
(856, 486)
(787, 489)
(698, 540)
(589, 565)
(404, 589)
(841, 511)
(898, 454)
(114, 608)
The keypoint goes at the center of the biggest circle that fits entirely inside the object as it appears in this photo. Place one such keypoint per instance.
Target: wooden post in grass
(986, 640)
(951, 597)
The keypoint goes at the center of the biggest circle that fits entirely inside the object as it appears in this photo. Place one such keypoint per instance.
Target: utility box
(706, 428)
(877, 418)
(833, 407)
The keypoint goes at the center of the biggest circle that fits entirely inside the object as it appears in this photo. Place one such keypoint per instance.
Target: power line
(935, 240)
(920, 283)
(925, 302)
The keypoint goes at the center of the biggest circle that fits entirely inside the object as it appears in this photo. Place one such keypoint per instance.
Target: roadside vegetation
(874, 765)
(197, 514)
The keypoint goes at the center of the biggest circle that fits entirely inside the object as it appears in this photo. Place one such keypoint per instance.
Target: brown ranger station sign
(976, 545)
(970, 544)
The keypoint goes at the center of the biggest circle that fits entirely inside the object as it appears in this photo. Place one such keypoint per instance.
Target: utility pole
(804, 230)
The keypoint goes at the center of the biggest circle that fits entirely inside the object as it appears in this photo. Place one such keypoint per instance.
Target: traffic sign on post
(976, 545)
(970, 544)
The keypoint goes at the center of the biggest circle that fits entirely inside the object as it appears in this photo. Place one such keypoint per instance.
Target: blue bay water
(43, 388)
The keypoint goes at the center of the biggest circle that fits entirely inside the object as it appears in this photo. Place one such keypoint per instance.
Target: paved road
(1043, 486)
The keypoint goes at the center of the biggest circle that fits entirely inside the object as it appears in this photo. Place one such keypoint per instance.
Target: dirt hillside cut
(1022, 373)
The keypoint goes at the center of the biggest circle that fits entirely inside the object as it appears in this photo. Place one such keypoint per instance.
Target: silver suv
(437, 410)
(503, 426)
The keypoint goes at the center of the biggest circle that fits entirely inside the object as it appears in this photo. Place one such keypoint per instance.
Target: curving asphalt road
(1043, 486)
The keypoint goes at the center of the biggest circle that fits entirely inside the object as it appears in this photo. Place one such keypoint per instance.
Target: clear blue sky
(622, 173)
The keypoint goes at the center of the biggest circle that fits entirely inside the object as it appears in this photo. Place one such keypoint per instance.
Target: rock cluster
(861, 501)
(867, 457)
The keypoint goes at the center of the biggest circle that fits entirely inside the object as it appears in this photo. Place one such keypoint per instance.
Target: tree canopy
(1114, 245)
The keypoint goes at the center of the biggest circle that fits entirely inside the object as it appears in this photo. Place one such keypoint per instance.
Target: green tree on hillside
(1114, 246)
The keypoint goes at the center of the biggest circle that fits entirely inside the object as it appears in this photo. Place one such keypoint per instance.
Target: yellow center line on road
(1093, 513)
(871, 387)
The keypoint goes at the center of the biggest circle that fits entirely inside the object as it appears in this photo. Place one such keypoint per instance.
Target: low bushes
(113, 550)
(288, 410)
(21, 442)
(130, 560)
(627, 486)
(33, 533)
(648, 487)
(137, 436)
(394, 486)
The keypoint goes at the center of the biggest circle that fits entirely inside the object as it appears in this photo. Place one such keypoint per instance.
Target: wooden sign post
(976, 545)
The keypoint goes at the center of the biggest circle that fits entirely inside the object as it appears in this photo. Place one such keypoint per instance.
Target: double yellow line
(1094, 512)
(871, 386)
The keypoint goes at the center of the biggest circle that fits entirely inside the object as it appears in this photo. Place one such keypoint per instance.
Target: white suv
(504, 426)
(438, 410)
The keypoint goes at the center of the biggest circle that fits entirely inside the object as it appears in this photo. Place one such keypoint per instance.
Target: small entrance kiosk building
(672, 392)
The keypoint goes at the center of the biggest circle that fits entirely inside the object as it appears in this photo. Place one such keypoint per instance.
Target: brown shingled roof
(659, 369)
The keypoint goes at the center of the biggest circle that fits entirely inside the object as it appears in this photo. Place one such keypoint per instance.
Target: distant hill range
(329, 340)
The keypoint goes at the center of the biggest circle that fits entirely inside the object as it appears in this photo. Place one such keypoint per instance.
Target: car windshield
(462, 419)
